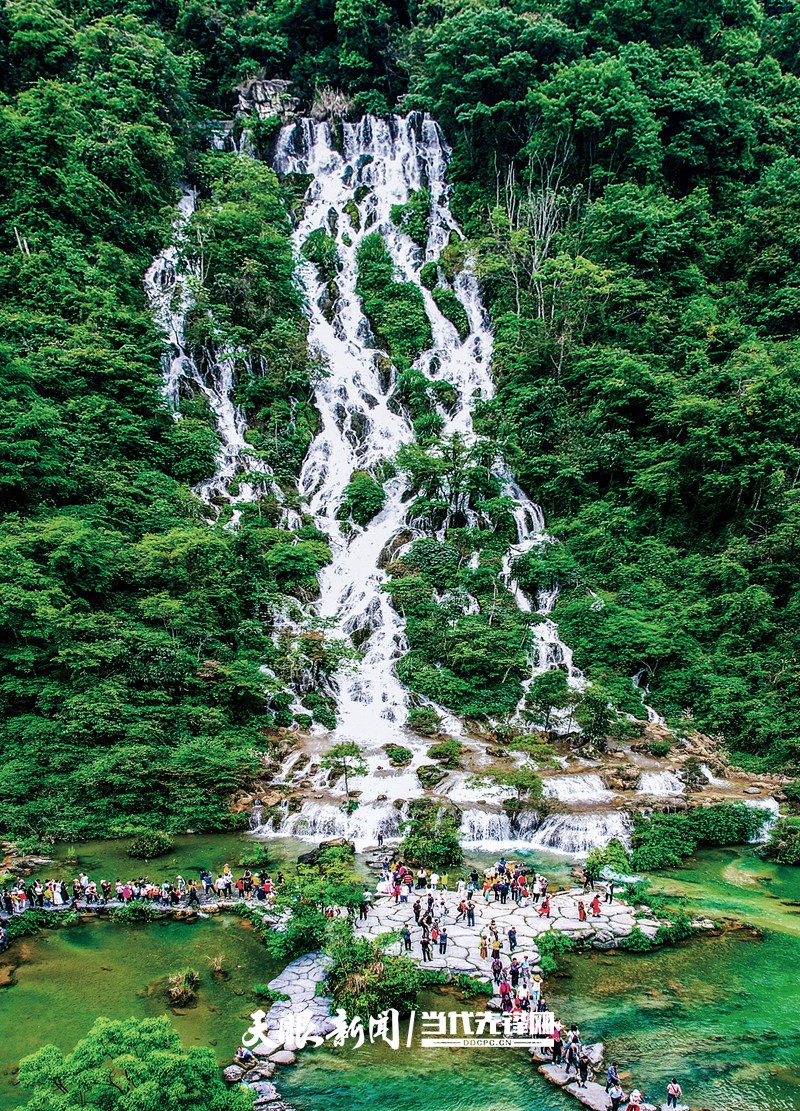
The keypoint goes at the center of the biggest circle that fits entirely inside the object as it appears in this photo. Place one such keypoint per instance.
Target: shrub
(395, 309)
(398, 755)
(449, 305)
(431, 835)
(150, 843)
(364, 979)
(783, 845)
(663, 840)
(551, 944)
(413, 217)
(266, 994)
(137, 911)
(423, 719)
(614, 855)
(448, 753)
(637, 942)
(730, 823)
(659, 748)
(320, 249)
(363, 497)
(429, 275)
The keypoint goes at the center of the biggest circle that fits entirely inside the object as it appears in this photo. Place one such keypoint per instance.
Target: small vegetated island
(398, 451)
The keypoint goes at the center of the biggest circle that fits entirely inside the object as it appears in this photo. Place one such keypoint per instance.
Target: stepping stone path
(603, 931)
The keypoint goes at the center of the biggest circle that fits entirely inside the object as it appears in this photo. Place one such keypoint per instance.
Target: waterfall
(577, 834)
(576, 788)
(354, 185)
(713, 780)
(659, 784)
(639, 681)
(351, 195)
(167, 284)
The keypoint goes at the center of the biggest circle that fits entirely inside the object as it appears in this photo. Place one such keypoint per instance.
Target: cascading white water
(577, 834)
(659, 784)
(576, 788)
(167, 285)
(714, 780)
(381, 162)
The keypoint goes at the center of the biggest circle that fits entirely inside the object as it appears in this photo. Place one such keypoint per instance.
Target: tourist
(484, 947)
(612, 1076)
(512, 938)
(583, 1070)
(425, 946)
(3, 938)
(244, 1056)
(674, 1093)
(635, 1100)
(595, 905)
(497, 968)
(470, 913)
(422, 879)
(572, 1057)
(417, 909)
(405, 935)
(616, 1096)
(581, 911)
(442, 941)
(445, 880)
(544, 909)
(588, 881)
(610, 891)
(434, 881)
(557, 1043)
(380, 838)
(536, 889)
(513, 972)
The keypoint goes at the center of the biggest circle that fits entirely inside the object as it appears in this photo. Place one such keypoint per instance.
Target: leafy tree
(121, 1065)
(345, 759)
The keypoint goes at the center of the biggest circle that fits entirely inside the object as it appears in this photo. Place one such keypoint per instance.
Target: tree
(345, 759)
(129, 1064)
(546, 694)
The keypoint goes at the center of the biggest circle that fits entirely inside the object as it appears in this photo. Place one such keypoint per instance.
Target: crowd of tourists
(84, 892)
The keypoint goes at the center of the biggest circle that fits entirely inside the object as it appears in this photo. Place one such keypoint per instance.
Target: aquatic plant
(182, 986)
(149, 844)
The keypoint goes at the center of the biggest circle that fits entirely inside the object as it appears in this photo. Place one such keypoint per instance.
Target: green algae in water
(67, 978)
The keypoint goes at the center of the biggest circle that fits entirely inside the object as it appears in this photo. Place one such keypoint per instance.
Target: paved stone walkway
(615, 921)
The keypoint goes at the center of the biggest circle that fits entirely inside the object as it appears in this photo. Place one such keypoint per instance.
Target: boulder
(266, 1092)
(313, 856)
(283, 1057)
(267, 1047)
(233, 1074)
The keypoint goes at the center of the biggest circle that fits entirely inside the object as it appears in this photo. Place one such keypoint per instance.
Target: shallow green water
(110, 860)
(66, 978)
(722, 1012)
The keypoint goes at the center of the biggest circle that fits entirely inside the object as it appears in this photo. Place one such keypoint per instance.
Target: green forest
(628, 181)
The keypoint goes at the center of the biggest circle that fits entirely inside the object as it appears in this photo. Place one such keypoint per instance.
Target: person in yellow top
(445, 880)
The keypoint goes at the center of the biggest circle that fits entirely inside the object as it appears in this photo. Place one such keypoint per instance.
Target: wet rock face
(313, 856)
(267, 98)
